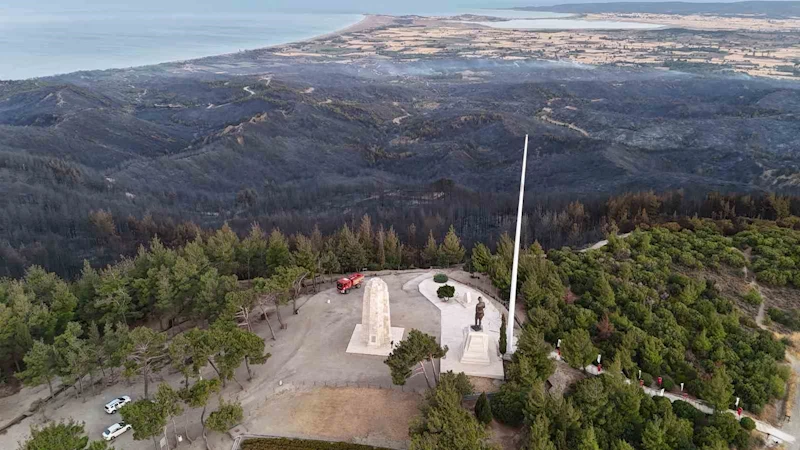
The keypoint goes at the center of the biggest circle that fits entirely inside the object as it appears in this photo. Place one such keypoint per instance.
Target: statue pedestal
(476, 348)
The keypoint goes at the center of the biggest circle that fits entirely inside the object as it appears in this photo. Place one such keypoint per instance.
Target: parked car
(114, 405)
(115, 430)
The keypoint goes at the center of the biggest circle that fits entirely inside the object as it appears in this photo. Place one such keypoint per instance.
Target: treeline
(58, 234)
(199, 282)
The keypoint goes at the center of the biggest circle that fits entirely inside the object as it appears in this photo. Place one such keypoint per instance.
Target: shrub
(742, 440)
(648, 379)
(789, 319)
(440, 278)
(507, 404)
(747, 423)
(684, 410)
(483, 411)
(667, 383)
(446, 292)
(752, 297)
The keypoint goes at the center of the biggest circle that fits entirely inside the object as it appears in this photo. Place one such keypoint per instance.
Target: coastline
(364, 22)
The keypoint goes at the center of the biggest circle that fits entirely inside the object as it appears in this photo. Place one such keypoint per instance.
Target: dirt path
(545, 117)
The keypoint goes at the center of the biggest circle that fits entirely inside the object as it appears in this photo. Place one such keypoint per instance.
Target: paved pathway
(455, 321)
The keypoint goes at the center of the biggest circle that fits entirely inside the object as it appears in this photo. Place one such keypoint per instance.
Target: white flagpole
(515, 266)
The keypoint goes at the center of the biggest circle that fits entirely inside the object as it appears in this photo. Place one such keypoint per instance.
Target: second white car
(115, 430)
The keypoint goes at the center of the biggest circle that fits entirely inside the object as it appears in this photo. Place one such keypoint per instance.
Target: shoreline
(366, 22)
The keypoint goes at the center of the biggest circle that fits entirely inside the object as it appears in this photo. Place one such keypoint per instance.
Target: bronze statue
(479, 315)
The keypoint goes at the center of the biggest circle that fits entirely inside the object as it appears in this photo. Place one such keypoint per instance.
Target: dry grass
(372, 416)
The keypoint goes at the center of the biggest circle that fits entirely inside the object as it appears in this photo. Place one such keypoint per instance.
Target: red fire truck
(352, 282)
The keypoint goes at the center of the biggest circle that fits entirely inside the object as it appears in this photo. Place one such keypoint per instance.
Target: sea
(86, 35)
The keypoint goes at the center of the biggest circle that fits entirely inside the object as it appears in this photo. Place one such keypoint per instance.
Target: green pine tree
(483, 411)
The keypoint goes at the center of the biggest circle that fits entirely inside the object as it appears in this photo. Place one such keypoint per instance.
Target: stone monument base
(476, 348)
(358, 342)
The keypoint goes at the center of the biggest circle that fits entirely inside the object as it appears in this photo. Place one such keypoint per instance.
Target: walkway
(455, 320)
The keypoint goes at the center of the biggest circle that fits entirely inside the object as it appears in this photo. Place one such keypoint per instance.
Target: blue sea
(62, 36)
(38, 45)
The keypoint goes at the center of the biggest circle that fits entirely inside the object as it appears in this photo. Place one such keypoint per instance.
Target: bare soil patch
(377, 417)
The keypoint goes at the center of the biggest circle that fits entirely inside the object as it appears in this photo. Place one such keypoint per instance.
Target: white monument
(476, 348)
(375, 334)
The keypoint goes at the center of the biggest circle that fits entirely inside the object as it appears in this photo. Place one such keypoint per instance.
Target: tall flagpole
(515, 266)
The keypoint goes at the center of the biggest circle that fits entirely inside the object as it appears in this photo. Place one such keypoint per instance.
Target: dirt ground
(378, 417)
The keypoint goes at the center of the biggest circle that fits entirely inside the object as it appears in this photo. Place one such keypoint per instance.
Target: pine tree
(483, 411)
(221, 250)
(148, 419)
(145, 348)
(416, 348)
(227, 415)
(430, 255)
(451, 251)
(653, 436)
(197, 396)
(380, 248)
(316, 239)
(481, 258)
(253, 253)
(588, 440)
(578, 349)
(278, 254)
(365, 237)
(392, 249)
(621, 445)
(170, 402)
(718, 391)
(40, 366)
(68, 435)
(503, 338)
(539, 435)
(349, 250)
(306, 257)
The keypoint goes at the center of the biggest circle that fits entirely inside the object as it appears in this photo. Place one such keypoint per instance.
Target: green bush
(507, 404)
(446, 292)
(648, 379)
(440, 278)
(483, 411)
(747, 423)
(667, 383)
(684, 410)
(753, 297)
(789, 319)
(301, 444)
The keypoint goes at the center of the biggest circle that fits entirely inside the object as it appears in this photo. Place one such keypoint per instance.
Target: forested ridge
(633, 302)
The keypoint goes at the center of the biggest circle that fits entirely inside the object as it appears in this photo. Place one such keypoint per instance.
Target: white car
(114, 405)
(115, 430)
